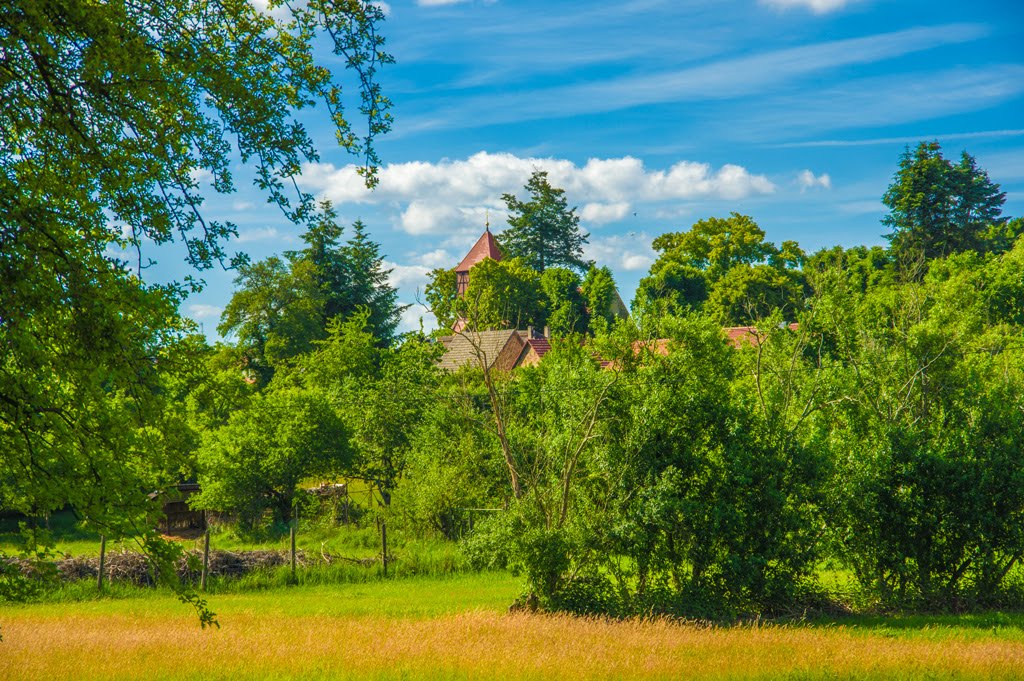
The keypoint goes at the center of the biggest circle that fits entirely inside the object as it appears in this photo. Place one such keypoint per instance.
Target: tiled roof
(738, 335)
(469, 347)
(540, 345)
(485, 247)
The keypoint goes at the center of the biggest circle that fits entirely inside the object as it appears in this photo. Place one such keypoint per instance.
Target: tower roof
(485, 247)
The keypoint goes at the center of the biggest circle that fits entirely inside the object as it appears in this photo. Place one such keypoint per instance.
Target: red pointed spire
(485, 247)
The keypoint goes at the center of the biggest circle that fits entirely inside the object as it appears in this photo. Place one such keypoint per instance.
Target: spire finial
(487, 220)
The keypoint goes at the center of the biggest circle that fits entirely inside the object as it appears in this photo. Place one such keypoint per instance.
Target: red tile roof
(738, 335)
(485, 247)
(539, 345)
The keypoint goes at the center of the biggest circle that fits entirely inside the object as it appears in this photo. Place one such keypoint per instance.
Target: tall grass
(456, 629)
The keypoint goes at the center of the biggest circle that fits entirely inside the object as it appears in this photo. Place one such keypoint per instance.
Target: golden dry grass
(475, 645)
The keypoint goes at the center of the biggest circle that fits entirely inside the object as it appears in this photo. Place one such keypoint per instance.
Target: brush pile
(130, 567)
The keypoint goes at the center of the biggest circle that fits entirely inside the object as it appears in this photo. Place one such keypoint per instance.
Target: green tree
(671, 287)
(454, 461)
(865, 268)
(566, 306)
(716, 245)
(382, 393)
(726, 264)
(543, 230)
(937, 207)
(747, 294)
(112, 114)
(928, 488)
(260, 457)
(369, 286)
(502, 295)
(442, 296)
(349, 276)
(281, 307)
(275, 313)
(600, 295)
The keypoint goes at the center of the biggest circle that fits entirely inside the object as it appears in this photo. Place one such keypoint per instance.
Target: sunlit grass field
(459, 628)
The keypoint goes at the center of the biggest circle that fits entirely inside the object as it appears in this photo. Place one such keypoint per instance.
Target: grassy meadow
(436, 619)
(459, 628)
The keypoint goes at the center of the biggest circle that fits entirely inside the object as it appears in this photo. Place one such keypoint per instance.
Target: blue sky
(653, 115)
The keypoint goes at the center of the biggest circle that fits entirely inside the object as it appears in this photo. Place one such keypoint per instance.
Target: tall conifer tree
(543, 230)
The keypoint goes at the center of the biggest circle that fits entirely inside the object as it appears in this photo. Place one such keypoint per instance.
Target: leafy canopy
(112, 113)
(281, 307)
(725, 267)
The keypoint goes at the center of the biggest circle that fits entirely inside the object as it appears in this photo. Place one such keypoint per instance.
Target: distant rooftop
(485, 247)
(498, 349)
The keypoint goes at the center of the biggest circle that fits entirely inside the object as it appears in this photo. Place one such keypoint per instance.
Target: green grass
(458, 628)
(413, 597)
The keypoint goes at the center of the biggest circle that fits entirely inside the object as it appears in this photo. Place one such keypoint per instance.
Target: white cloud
(279, 13)
(808, 180)
(600, 213)
(201, 176)
(201, 311)
(409, 277)
(411, 317)
(383, 7)
(438, 217)
(261, 234)
(635, 261)
(816, 6)
(630, 252)
(457, 197)
(436, 258)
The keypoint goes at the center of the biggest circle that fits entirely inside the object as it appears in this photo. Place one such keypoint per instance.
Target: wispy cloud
(907, 139)
(260, 234)
(764, 72)
(1002, 166)
(880, 101)
(816, 6)
(202, 312)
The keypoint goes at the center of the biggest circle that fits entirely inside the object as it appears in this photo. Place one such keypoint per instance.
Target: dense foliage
(113, 114)
(868, 416)
(723, 266)
(282, 307)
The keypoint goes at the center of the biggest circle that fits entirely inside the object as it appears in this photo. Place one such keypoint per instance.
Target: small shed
(179, 517)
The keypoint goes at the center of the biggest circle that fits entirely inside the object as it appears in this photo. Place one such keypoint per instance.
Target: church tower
(485, 247)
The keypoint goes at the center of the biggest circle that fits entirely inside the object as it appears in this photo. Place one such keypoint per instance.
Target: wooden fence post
(293, 550)
(103, 562)
(384, 544)
(206, 559)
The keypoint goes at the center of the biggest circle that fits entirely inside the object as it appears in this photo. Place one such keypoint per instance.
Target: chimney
(547, 332)
(529, 332)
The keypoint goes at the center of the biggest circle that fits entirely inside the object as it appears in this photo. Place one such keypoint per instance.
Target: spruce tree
(543, 231)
